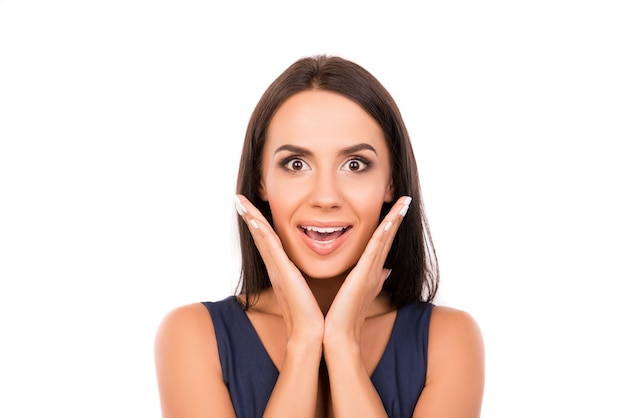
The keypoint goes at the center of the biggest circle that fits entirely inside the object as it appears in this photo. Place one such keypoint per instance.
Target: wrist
(336, 335)
(341, 345)
(301, 350)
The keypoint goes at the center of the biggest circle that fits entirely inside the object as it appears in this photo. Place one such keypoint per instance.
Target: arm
(189, 373)
(456, 367)
(188, 369)
(352, 391)
(295, 392)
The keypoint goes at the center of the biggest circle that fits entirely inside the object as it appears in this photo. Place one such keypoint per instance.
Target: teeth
(323, 230)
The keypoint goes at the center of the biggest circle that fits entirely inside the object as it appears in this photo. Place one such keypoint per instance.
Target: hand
(347, 313)
(301, 313)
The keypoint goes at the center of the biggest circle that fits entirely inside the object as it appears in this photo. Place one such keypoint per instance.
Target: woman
(335, 313)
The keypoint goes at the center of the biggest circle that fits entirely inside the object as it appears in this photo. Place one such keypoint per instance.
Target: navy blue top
(250, 374)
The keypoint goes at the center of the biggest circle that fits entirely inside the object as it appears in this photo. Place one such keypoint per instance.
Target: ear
(262, 191)
(389, 192)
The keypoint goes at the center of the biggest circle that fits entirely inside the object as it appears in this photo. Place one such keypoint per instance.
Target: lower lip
(324, 247)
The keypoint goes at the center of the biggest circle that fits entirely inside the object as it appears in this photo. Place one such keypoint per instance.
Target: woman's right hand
(301, 312)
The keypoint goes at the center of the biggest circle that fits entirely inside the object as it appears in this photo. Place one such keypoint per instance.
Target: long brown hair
(412, 258)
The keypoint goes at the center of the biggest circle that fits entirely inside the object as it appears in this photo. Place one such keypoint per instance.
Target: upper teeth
(323, 230)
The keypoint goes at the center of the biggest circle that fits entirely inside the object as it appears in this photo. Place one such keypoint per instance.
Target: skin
(325, 164)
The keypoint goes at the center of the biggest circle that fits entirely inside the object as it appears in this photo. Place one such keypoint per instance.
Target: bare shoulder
(456, 366)
(187, 321)
(184, 330)
(187, 364)
(449, 326)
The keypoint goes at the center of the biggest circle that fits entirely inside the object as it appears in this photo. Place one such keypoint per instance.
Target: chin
(317, 273)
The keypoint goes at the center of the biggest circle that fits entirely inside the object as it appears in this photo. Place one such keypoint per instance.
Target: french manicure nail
(404, 210)
(387, 226)
(407, 200)
(254, 224)
(240, 209)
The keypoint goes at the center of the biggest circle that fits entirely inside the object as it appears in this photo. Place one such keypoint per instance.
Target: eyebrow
(344, 151)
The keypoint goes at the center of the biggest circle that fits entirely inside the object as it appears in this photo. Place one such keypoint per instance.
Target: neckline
(266, 354)
(252, 331)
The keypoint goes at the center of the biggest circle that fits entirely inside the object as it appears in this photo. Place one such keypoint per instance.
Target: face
(325, 174)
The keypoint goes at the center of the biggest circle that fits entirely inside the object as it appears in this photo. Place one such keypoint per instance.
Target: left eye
(355, 165)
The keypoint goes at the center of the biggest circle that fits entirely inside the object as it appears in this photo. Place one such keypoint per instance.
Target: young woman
(335, 313)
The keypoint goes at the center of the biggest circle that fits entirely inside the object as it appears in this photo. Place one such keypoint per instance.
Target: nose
(325, 191)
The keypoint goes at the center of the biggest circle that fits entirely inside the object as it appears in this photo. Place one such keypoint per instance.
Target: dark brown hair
(412, 258)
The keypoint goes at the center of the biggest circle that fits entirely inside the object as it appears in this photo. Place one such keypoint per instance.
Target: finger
(250, 214)
(257, 224)
(281, 270)
(265, 238)
(396, 214)
(294, 298)
(377, 249)
(382, 239)
(392, 222)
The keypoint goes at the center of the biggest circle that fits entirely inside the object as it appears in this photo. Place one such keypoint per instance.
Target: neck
(325, 290)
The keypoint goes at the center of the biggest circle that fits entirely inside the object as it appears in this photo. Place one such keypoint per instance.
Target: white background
(121, 124)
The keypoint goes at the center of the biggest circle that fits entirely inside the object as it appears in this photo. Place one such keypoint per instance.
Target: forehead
(313, 117)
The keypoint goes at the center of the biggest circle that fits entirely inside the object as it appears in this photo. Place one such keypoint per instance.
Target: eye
(294, 164)
(356, 165)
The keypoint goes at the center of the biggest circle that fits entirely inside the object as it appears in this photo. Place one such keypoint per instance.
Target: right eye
(294, 164)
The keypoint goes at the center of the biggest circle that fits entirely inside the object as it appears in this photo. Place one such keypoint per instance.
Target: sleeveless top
(250, 374)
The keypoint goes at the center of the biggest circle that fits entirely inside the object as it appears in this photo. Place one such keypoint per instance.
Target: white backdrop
(121, 124)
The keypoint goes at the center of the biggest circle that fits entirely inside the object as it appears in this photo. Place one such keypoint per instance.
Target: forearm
(352, 391)
(295, 392)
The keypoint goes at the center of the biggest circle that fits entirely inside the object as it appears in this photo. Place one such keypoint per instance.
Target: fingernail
(387, 226)
(254, 224)
(388, 274)
(240, 209)
(405, 208)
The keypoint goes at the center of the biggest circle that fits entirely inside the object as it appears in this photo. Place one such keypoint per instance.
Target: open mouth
(323, 234)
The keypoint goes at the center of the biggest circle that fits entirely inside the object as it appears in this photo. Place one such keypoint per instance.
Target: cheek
(366, 191)
(283, 201)
(368, 202)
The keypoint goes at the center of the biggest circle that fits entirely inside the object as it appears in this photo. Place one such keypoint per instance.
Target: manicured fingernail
(404, 210)
(388, 274)
(240, 209)
(254, 224)
(387, 226)
(407, 200)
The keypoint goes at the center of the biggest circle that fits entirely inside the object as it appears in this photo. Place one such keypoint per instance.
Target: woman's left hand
(348, 311)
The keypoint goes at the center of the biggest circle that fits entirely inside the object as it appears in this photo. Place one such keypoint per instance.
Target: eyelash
(289, 160)
(363, 161)
(293, 158)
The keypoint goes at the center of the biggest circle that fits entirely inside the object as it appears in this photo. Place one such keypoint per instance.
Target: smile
(323, 240)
